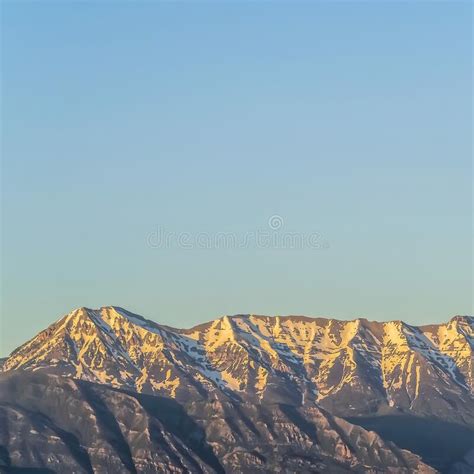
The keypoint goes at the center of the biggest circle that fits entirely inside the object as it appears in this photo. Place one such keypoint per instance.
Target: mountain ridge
(281, 316)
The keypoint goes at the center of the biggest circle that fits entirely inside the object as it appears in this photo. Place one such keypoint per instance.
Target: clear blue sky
(348, 119)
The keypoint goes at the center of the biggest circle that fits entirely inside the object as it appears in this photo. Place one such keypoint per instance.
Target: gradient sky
(352, 120)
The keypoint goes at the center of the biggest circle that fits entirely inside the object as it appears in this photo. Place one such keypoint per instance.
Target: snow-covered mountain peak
(358, 364)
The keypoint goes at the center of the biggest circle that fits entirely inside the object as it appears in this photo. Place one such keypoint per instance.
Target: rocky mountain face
(69, 426)
(242, 393)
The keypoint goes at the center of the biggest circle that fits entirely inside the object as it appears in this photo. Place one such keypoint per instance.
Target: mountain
(257, 390)
(349, 367)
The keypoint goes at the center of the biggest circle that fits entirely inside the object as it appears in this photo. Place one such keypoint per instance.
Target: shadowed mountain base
(440, 444)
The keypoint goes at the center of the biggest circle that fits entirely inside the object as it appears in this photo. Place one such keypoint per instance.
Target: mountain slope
(350, 367)
(65, 425)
